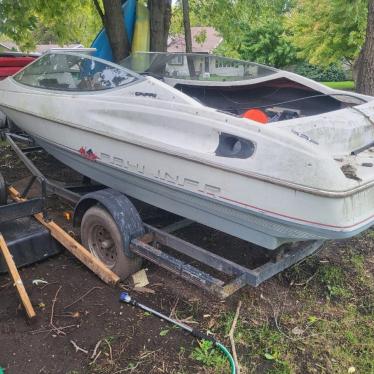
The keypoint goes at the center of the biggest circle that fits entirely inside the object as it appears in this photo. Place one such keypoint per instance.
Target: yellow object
(141, 38)
(67, 215)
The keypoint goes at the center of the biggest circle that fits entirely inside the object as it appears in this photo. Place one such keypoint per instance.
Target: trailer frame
(148, 246)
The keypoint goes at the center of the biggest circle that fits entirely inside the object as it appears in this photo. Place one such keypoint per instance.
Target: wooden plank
(16, 278)
(74, 247)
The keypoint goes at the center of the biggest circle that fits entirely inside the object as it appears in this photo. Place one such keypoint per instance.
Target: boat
(12, 62)
(261, 154)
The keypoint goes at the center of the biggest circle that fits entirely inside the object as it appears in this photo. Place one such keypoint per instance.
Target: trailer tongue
(27, 240)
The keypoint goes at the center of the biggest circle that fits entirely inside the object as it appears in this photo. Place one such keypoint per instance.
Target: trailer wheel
(3, 191)
(101, 236)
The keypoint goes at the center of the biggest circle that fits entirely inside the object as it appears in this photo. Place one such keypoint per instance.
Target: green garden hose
(228, 355)
(126, 298)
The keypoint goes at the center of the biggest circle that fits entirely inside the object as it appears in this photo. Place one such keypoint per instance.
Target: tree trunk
(365, 62)
(188, 36)
(160, 15)
(187, 25)
(115, 28)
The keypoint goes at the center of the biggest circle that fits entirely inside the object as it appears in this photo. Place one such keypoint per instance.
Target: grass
(258, 346)
(210, 356)
(329, 328)
(345, 85)
(332, 277)
(348, 340)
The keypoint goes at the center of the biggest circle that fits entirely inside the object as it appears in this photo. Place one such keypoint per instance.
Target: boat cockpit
(236, 86)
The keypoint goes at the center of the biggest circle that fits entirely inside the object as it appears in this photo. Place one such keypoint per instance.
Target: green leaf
(34, 22)
(164, 332)
(270, 357)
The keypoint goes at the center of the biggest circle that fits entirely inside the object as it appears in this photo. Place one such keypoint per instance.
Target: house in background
(204, 41)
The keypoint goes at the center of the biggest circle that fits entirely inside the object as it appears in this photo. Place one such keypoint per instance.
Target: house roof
(40, 48)
(9, 46)
(211, 41)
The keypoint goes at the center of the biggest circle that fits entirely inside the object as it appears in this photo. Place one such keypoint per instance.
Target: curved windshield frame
(195, 66)
(74, 72)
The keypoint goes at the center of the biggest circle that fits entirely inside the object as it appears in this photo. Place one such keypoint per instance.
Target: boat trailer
(150, 245)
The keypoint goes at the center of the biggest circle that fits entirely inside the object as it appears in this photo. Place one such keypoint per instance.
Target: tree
(242, 24)
(113, 22)
(187, 25)
(33, 21)
(365, 62)
(328, 31)
(226, 16)
(188, 36)
(160, 15)
(67, 21)
(267, 43)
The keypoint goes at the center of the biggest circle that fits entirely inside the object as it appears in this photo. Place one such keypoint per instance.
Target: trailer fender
(121, 209)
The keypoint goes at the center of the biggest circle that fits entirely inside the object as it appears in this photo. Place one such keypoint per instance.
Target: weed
(261, 343)
(209, 355)
(164, 332)
(111, 339)
(370, 234)
(366, 306)
(333, 278)
(358, 262)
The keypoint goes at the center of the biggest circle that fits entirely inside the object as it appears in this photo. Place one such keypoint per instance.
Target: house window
(177, 60)
(226, 64)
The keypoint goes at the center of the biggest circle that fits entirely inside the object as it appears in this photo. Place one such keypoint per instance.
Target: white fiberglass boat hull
(154, 143)
(190, 189)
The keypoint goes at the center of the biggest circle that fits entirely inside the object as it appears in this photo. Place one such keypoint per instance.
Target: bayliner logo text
(160, 174)
(88, 154)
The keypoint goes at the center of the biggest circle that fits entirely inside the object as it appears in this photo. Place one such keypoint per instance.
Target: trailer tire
(101, 236)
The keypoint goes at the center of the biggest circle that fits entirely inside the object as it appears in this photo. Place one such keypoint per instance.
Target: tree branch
(100, 11)
(231, 336)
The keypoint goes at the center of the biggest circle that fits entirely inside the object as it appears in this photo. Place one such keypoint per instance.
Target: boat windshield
(74, 72)
(194, 66)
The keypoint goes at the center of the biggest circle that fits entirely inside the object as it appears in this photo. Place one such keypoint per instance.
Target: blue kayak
(101, 42)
